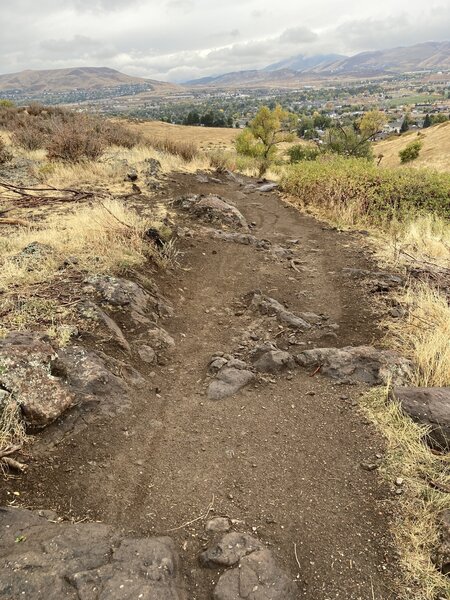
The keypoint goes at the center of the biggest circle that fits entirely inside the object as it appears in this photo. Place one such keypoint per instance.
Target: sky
(178, 40)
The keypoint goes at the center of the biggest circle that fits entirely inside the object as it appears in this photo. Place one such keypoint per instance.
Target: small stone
(218, 524)
(399, 481)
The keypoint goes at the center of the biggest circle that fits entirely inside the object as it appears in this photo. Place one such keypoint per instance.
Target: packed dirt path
(283, 457)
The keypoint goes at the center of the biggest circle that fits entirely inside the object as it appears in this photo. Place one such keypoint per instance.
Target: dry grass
(12, 430)
(415, 527)
(206, 138)
(105, 237)
(424, 335)
(109, 172)
(435, 153)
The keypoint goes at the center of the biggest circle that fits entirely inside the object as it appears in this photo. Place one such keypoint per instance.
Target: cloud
(181, 39)
(298, 35)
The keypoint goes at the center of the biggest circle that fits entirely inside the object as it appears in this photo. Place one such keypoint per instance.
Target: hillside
(291, 71)
(80, 78)
(420, 57)
(435, 153)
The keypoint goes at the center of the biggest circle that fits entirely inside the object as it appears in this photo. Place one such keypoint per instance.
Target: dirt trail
(282, 458)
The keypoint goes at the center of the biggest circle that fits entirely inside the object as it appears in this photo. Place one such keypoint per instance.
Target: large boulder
(46, 560)
(430, 407)
(212, 209)
(363, 364)
(228, 381)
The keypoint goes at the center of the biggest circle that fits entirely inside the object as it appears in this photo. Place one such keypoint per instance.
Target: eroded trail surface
(282, 458)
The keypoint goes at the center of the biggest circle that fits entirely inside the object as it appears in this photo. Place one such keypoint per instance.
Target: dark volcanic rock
(257, 578)
(358, 364)
(44, 560)
(25, 372)
(229, 549)
(428, 406)
(212, 209)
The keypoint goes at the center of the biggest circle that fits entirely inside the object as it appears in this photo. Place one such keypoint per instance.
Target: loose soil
(282, 458)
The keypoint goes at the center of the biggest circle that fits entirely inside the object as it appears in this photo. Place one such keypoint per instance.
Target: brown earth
(283, 457)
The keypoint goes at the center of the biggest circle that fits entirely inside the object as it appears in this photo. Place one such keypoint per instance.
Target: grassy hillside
(435, 153)
(206, 138)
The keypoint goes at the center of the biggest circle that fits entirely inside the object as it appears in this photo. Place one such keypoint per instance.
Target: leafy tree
(268, 129)
(371, 124)
(193, 118)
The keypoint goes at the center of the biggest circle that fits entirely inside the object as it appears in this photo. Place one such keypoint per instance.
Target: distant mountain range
(80, 78)
(429, 56)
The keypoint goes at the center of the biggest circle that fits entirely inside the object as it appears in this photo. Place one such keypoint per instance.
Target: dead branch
(13, 464)
(200, 518)
(9, 450)
(6, 221)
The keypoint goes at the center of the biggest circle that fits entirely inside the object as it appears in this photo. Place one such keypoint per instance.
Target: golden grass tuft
(424, 334)
(12, 429)
(416, 521)
(105, 237)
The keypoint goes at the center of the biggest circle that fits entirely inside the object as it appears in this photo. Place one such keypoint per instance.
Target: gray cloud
(181, 39)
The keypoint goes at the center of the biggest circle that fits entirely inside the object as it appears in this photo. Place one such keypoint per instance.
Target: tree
(268, 129)
(405, 124)
(371, 124)
(427, 122)
(347, 141)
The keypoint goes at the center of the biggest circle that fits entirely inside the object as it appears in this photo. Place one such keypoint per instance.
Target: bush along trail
(198, 433)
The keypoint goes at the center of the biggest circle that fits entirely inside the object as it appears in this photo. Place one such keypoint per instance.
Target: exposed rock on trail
(269, 306)
(363, 364)
(256, 576)
(212, 209)
(228, 381)
(281, 460)
(45, 560)
(430, 407)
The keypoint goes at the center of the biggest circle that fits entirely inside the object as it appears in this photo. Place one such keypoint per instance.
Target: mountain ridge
(418, 57)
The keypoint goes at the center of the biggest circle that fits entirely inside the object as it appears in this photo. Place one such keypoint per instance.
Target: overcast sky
(176, 40)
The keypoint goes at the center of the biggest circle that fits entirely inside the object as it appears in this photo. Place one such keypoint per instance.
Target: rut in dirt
(282, 458)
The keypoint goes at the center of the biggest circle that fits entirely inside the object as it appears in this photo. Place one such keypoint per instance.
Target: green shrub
(301, 152)
(410, 152)
(356, 190)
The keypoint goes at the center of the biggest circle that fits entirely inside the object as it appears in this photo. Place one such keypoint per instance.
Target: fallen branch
(425, 262)
(7, 221)
(315, 371)
(13, 464)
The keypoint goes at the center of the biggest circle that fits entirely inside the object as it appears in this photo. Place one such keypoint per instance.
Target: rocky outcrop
(229, 381)
(26, 373)
(363, 364)
(128, 294)
(46, 560)
(45, 382)
(430, 407)
(274, 361)
(212, 209)
(269, 306)
(255, 575)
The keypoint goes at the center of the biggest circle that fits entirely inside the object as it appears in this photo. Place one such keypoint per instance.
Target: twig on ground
(315, 371)
(13, 464)
(296, 556)
(114, 216)
(200, 518)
